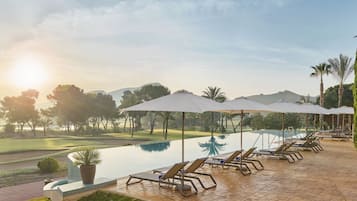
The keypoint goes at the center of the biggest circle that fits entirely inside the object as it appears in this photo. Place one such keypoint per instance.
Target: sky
(245, 47)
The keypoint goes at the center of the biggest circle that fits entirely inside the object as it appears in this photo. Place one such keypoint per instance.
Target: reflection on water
(158, 146)
(222, 137)
(288, 133)
(212, 147)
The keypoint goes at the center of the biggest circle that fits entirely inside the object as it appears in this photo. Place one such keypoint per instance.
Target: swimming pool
(121, 161)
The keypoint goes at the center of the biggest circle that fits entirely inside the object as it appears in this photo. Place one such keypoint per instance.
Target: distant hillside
(286, 96)
(117, 94)
(97, 92)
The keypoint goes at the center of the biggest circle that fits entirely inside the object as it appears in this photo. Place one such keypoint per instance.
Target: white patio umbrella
(283, 108)
(241, 105)
(309, 108)
(180, 101)
(342, 110)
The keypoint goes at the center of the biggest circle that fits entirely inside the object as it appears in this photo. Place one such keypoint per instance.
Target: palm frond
(87, 156)
(214, 93)
(341, 67)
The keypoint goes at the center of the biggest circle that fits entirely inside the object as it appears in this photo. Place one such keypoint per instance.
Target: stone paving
(21, 192)
(328, 175)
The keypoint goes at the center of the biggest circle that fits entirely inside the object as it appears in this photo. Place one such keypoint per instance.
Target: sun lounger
(227, 162)
(308, 136)
(169, 178)
(310, 144)
(247, 157)
(278, 152)
(295, 153)
(191, 170)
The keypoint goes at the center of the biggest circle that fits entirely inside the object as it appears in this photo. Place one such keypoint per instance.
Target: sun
(28, 72)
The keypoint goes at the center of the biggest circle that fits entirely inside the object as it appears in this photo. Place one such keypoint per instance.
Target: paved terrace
(328, 175)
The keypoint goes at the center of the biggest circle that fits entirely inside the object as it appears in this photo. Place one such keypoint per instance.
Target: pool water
(121, 161)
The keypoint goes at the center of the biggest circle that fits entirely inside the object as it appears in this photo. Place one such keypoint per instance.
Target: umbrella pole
(343, 122)
(332, 122)
(307, 123)
(212, 119)
(241, 137)
(183, 147)
(282, 125)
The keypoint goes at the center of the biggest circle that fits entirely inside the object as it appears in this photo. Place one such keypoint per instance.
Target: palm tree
(216, 94)
(341, 68)
(318, 71)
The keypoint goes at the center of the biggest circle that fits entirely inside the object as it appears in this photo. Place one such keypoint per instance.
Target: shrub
(102, 195)
(48, 165)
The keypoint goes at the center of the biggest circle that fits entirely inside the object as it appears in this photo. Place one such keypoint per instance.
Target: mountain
(97, 92)
(117, 94)
(286, 96)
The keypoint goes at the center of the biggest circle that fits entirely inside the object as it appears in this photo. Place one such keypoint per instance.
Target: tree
(355, 101)
(331, 96)
(257, 121)
(46, 116)
(166, 116)
(150, 92)
(216, 94)
(72, 106)
(318, 71)
(129, 99)
(21, 109)
(103, 110)
(273, 121)
(231, 118)
(341, 68)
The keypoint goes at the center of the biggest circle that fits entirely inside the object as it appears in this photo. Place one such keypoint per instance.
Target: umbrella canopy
(239, 104)
(309, 108)
(341, 110)
(180, 101)
(285, 107)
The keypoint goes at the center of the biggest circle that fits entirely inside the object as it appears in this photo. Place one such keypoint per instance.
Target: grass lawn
(8, 145)
(61, 143)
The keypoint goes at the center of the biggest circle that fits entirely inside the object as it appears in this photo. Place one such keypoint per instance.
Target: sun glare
(28, 73)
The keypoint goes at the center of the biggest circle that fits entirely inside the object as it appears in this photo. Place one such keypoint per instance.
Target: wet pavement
(328, 175)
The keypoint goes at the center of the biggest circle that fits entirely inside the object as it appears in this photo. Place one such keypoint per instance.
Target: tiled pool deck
(328, 175)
